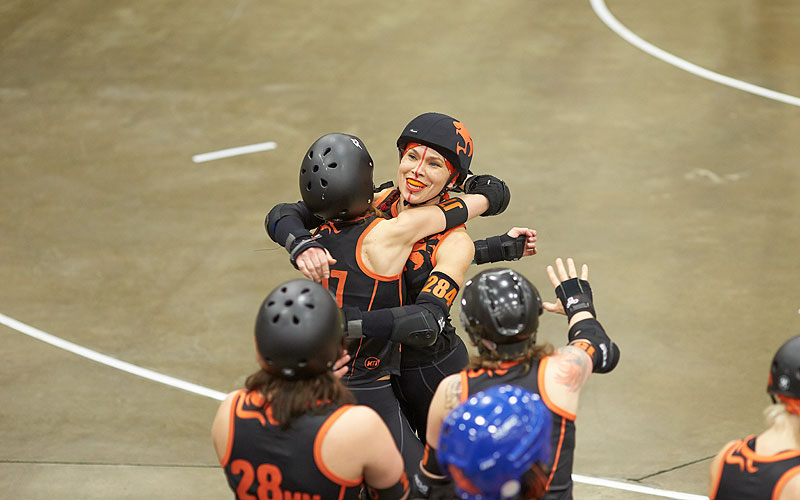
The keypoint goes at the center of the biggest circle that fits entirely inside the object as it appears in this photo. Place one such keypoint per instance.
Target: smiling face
(422, 174)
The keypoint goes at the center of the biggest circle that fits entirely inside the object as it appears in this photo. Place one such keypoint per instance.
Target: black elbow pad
(590, 336)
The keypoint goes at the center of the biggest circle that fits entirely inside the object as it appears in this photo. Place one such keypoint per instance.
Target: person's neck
(782, 436)
(402, 205)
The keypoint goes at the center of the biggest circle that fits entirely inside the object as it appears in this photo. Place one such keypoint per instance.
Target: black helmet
(336, 177)
(299, 330)
(446, 135)
(500, 310)
(784, 374)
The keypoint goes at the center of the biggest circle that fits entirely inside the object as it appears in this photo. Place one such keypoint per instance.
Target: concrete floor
(682, 195)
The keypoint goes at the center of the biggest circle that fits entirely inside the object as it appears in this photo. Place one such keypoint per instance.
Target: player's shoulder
(791, 489)
(357, 421)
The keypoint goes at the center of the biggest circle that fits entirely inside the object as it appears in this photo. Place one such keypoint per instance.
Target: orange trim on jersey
(785, 478)
(752, 456)
(318, 451)
(372, 299)
(725, 455)
(543, 393)
(381, 197)
(246, 414)
(231, 427)
(464, 386)
(355, 357)
(360, 262)
(558, 451)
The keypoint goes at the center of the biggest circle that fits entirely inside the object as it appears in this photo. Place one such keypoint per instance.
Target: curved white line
(603, 13)
(210, 393)
(108, 360)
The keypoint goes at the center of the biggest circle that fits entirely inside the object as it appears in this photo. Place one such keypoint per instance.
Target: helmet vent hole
(310, 306)
(315, 169)
(305, 290)
(323, 183)
(270, 303)
(303, 170)
(327, 150)
(288, 303)
(295, 320)
(310, 154)
(276, 318)
(308, 187)
(283, 289)
(332, 165)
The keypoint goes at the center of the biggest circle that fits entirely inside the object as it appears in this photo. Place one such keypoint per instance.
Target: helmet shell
(336, 177)
(502, 306)
(446, 135)
(299, 330)
(492, 439)
(784, 373)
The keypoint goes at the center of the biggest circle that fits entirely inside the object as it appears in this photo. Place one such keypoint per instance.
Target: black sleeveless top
(354, 285)
(563, 434)
(746, 475)
(263, 461)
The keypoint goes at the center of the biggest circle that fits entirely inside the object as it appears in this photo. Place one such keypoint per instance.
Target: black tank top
(746, 475)
(418, 267)
(263, 461)
(354, 285)
(563, 435)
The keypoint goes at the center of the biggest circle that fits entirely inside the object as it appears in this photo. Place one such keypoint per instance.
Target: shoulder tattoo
(574, 368)
(453, 394)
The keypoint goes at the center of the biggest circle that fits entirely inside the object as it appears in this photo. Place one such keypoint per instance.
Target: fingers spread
(571, 266)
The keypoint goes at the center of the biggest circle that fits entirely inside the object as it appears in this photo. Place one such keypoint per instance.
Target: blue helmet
(492, 439)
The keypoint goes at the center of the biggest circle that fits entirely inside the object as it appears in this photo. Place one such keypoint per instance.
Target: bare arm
(221, 426)
(446, 397)
(455, 255)
(716, 468)
(566, 373)
(380, 463)
(414, 224)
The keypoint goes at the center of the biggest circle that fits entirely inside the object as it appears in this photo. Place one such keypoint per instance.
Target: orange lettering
(244, 468)
(269, 482)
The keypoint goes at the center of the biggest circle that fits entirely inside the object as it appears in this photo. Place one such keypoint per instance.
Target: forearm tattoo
(453, 395)
(574, 368)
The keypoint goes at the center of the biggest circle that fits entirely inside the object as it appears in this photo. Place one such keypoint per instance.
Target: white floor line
(210, 393)
(603, 13)
(618, 485)
(227, 153)
(108, 360)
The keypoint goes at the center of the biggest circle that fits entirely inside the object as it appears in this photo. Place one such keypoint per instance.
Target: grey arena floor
(681, 192)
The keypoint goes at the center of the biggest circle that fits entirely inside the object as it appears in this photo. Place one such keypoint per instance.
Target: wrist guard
(394, 492)
(498, 248)
(493, 189)
(455, 212)
(576, 296)
(298, 245)
(426, 487)
(590, 336)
